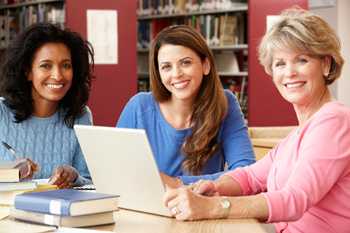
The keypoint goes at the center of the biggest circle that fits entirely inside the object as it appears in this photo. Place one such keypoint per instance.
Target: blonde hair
(301, 30)
(210, 106)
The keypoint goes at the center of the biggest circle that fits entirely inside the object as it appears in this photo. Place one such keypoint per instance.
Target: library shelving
(223, 26)
(114, 84)
(20, 14)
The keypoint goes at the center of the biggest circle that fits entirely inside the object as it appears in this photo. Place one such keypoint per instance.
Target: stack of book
(10, 184)
(66, 208)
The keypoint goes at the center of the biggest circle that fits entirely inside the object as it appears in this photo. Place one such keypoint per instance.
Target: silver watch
(226, 206)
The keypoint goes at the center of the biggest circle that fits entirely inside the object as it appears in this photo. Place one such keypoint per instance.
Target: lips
(180, 84)
(54, 85)
(294, 84)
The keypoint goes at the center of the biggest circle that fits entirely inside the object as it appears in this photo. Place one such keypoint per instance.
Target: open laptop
(121, 162)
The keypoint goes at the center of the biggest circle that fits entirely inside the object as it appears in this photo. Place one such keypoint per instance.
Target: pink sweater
(306, 177)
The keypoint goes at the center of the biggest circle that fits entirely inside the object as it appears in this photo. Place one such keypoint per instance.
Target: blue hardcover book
(67, 202)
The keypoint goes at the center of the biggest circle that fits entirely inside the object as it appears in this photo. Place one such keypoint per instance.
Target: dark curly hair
(17, 62)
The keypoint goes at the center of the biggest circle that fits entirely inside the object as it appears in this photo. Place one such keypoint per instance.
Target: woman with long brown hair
(193, 125)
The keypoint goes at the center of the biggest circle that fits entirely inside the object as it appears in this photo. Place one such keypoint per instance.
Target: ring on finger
(175, 210)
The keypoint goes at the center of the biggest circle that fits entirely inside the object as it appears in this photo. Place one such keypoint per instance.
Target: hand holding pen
(26, 166)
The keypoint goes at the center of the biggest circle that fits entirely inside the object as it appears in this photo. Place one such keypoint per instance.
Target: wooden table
(131, 221)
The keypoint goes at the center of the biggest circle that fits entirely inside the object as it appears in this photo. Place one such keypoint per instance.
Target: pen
(9, 148)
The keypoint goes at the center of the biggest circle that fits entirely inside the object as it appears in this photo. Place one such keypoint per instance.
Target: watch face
(225, 203)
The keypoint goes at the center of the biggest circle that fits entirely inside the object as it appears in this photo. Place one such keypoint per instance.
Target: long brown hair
(210, 106)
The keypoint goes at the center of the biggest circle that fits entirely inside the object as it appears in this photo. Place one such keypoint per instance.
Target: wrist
(224, 207)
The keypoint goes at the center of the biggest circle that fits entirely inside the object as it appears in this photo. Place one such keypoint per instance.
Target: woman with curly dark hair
(193, 125)
(45, 83)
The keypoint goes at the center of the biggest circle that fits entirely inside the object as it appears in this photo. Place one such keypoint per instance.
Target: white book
(67, 221)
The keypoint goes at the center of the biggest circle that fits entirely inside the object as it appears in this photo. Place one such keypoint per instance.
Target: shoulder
(142, 98)
(4, 110)
(333, 111)
(231, 98)
(332, 119)
(85, 117)
(141, 101)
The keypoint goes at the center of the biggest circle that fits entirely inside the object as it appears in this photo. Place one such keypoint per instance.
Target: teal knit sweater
(47, 141)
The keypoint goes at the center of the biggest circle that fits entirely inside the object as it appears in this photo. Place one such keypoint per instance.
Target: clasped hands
(190, 202)
(63, 176)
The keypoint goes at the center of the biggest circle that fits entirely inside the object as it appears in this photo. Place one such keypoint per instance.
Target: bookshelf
(223, 26)
(114, 83)
(20, 14)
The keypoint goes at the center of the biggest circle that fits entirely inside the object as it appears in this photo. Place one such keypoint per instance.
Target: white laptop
(121, 162)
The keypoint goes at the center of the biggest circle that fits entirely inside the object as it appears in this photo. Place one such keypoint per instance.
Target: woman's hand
(170, 182)
(205, 187)
(184, 204)
(64, 176)
(27, 168)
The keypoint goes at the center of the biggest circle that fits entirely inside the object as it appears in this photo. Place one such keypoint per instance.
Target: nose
(177, 71)
(56, 74)
(291, 71)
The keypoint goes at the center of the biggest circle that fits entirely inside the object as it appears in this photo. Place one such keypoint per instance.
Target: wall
(343, 84)
(114, 84)
(338, 16)
(265, 105)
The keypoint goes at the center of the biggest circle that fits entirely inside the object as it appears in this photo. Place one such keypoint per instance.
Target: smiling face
(299, 77)
(51, 74)
(181, 71)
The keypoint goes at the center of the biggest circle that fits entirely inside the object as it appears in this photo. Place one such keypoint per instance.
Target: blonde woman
(303, 184)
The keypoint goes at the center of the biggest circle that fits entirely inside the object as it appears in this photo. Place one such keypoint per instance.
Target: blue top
(46, 141)
(143, 112)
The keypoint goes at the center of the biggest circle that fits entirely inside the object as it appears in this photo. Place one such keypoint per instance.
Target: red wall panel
(114, 84)
(265, 105)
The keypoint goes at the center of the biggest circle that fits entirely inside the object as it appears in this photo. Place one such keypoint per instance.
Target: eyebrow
(181, 59)
(48, 60)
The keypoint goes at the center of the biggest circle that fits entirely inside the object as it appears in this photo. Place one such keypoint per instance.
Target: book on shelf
(14, 20)
(226, 61)
(228, 25)
(8, 197)
(63, 221)
(67, 202)
(149, 7)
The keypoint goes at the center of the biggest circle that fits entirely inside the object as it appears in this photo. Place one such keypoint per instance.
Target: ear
(206, 66)
(326, 65)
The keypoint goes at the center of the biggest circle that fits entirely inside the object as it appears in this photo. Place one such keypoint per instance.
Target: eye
(302, 60)
(279, 64)
(67, 65)
(45, 66)
(186, 62)
(165, 67)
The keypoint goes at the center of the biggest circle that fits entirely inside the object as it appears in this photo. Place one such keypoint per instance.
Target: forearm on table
(254, 206)
(227, 186)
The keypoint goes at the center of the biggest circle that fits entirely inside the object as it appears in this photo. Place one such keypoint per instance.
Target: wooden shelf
(215, 48)
(238, 7)
(222, 74)
(11, 6)
(229, 74)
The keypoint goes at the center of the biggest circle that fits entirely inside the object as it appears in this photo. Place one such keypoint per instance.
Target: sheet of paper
(9, 225)
(4, 211)
(102, 33)
(271, 20)
(77, 230)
